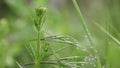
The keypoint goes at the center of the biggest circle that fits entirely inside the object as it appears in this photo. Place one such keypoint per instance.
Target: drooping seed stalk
(83, 22)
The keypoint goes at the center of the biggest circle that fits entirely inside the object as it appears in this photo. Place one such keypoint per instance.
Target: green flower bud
(39, 19)
(40, 11)
(36, 24)
(46, 46)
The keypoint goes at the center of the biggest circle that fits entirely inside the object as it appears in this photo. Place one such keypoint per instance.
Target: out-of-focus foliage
(16, 29)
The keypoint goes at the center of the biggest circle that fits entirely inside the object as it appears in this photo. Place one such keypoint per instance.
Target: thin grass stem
(37, 51)
(83, 22)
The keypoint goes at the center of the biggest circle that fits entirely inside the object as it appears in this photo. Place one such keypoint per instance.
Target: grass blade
(112, 37)
(83, 22)
(30, 50)
(19, 65)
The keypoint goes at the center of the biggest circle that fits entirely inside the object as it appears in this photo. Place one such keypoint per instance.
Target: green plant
(3, 42)
(85, 47)
(43, 47)
(39, 51)
(112, 37)
(87, 32)
(39, 21)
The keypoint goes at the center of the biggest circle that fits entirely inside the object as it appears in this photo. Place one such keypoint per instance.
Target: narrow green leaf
(19, 65)
(31, 50)
(112, 37)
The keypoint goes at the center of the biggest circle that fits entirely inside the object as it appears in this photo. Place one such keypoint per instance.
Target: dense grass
(78, 34)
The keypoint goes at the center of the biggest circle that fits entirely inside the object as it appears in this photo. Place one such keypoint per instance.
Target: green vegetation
(59, 34)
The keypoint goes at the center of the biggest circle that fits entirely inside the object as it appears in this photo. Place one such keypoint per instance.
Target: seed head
(40, 11)
(40, 17)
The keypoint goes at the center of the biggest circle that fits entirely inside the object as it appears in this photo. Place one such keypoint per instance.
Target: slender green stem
(38, 42)
(37, 51)
(36, 65)
(83, 22)
(108, 25)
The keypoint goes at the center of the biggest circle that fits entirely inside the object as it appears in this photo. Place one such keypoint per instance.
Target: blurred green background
(16, 28)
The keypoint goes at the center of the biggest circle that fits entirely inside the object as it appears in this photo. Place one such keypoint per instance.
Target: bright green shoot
(38, 21)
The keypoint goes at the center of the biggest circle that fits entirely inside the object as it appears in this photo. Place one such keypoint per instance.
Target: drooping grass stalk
(83, 22)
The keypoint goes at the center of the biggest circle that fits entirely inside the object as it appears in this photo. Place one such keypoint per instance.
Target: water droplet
(84, 49)
(85, 59)
(103, 67)
(82, 64)
(95, 57)
(91, 47)
(109, 43)
(85, 36)
(94, 65)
